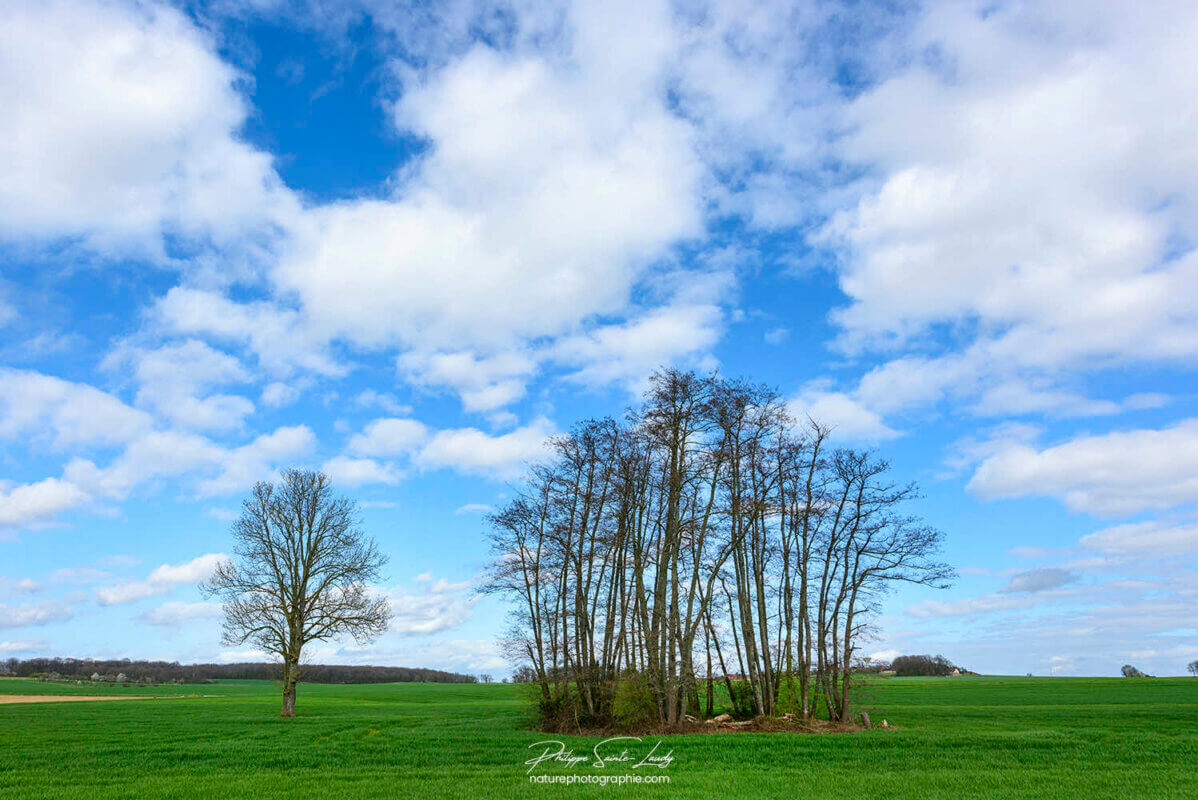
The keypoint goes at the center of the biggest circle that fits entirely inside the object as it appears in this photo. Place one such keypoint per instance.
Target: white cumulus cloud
(1114, 473)
(162, 580)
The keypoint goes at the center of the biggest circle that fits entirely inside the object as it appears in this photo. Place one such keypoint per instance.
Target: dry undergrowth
(757, 725)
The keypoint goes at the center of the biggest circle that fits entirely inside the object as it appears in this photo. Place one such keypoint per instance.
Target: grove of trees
(707, 537)
(922, 665)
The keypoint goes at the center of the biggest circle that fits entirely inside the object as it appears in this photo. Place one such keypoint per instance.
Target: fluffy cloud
(483, 383)
(628, 352)
(545, 194)
(556, 179)
(1029, 203)
(161, 581)
(216, 469)
(161, 454)
(120, 126)
(279, 337)
(31, 614)
(242, 466)
(66, 414)
(193, 571)
(155, 456)
(1112, 473)
(358, 471)
(466, 450)
(171, 454)
(369, 398)
(848, 418)
(124, 593)
(174, 381)
(40, 502)
(278, 394)
(470, 450)
(435, 606)
(985, 385)
(389, 436)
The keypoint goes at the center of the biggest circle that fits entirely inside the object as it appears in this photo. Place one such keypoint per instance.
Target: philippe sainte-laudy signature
(602, 754)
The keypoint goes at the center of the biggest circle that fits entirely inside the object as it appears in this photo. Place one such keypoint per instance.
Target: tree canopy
(301, 574)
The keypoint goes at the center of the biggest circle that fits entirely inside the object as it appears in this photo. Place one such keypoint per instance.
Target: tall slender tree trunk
(710, 709)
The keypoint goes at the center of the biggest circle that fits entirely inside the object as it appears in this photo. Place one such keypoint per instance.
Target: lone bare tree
(1193, 668)
(300, 574)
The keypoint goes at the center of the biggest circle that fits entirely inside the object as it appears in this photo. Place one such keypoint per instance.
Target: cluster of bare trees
(707, 539)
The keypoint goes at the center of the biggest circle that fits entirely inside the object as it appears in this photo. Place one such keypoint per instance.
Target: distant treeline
(163, 671)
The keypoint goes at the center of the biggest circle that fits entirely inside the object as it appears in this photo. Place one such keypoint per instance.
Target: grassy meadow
(964, 737)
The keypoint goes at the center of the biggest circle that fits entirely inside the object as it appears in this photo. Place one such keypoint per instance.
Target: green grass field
(956, 738)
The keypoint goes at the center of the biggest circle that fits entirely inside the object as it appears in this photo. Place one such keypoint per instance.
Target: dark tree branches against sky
(302, 573)
(708, 521)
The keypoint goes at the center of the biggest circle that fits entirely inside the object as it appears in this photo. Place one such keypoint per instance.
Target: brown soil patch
(6, 699)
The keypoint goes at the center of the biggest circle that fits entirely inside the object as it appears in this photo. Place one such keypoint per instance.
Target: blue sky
(407, 244)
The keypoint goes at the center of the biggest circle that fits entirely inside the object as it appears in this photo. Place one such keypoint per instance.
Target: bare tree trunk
(710, 710)
(289, 683)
